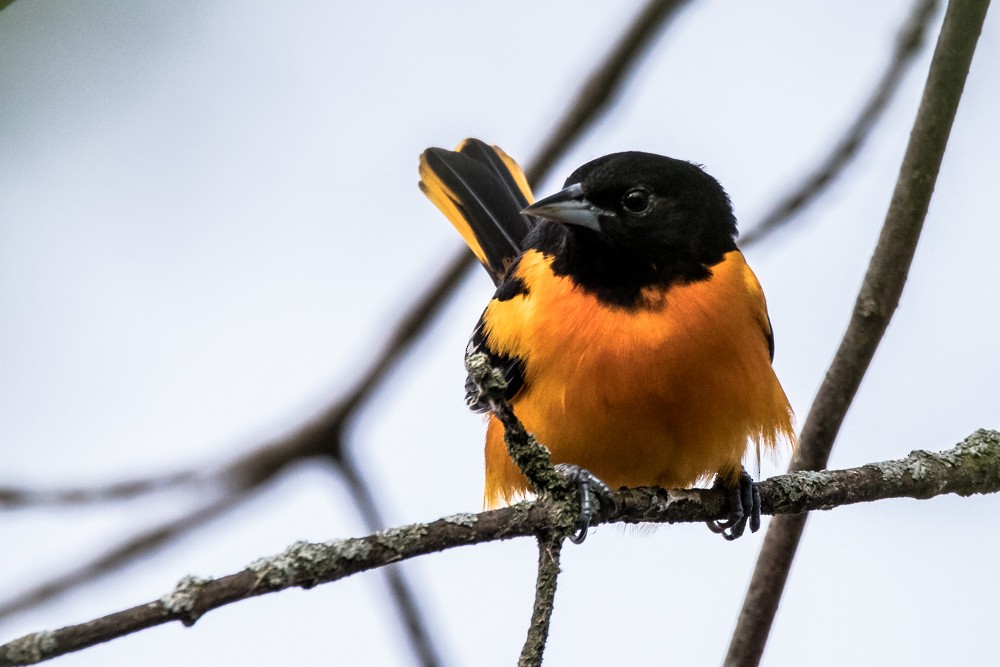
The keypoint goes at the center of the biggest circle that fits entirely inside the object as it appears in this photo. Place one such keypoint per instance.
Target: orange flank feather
(667, 395)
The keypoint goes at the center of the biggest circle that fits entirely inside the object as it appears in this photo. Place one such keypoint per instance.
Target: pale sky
(209, 219)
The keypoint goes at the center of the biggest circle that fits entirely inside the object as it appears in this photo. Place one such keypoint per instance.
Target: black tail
(482, 191)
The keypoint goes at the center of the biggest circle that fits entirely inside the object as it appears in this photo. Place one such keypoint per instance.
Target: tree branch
(603, 85)
(877, 300)
(908, 47)
(532, 458)
(117, 556)
(549, 550)
(14, 497)
(972, 467)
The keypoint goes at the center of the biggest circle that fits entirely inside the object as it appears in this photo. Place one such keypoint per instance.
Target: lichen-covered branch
(531, 457)
(971, 467)
(549, 550)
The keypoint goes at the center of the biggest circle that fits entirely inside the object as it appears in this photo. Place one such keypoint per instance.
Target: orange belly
(666, 395)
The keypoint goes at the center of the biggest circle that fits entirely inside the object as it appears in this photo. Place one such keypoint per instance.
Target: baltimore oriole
(634, 337)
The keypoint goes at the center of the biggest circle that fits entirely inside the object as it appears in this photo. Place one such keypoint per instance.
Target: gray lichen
(29, 649)
(463, 519)
(182, 599)
(486, 377)
(398, 539)
(352, 549)
(304, 563)
(796, 486)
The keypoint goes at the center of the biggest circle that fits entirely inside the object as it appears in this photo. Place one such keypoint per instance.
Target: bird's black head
(635, 220)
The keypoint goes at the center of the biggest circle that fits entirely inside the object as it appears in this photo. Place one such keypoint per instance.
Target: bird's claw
(744, 509)
(589, 485)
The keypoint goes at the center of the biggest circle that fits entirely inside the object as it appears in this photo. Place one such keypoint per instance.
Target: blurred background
(209, 225)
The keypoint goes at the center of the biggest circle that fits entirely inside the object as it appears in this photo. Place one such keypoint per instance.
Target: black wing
(511, 367)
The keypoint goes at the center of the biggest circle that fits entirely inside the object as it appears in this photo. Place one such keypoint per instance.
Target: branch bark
(549, 550)
(972, 467)
(877, 300)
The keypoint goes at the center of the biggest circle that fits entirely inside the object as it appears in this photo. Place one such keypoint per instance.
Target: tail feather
(482, 191)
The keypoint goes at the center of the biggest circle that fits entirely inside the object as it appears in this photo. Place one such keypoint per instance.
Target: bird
(633, 336)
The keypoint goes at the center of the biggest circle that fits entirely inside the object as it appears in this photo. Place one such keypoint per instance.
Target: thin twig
(117, 556)
(549, 549)
(12, 497)
(402, 594)
(909, 43)
(603, 85)
(531, 457)
(972, 467)
(875, 305)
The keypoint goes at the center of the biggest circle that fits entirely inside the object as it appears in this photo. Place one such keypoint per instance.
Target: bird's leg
(744, 508)
(589, 486)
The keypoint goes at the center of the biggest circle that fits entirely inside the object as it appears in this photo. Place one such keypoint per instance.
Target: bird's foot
(744, 508)
(589, 486)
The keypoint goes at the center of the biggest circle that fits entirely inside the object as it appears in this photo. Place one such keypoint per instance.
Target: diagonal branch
(908, 47)
(972, 467)
(117, 556)
(603, 85)
(879, 295)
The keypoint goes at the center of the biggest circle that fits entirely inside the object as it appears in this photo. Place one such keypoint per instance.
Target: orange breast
(666, 395)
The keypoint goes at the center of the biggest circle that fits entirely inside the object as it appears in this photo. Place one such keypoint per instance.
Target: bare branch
(972, 467)
(603, 85)
(12, 497)
(875, 305)
(116, 557)
(549, 550)
(908, 46)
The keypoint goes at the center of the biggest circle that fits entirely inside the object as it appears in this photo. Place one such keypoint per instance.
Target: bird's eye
(636, 200)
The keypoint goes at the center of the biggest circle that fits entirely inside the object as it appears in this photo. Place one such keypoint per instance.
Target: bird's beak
(569, 207)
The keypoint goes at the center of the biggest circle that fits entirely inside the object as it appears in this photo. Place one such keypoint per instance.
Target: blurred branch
(877, 300)
(12, 497)
(971, 467)
(323, 436)
(549, 550)
(603, 85)
(908, 47)
(116, 557)
(399, 589)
